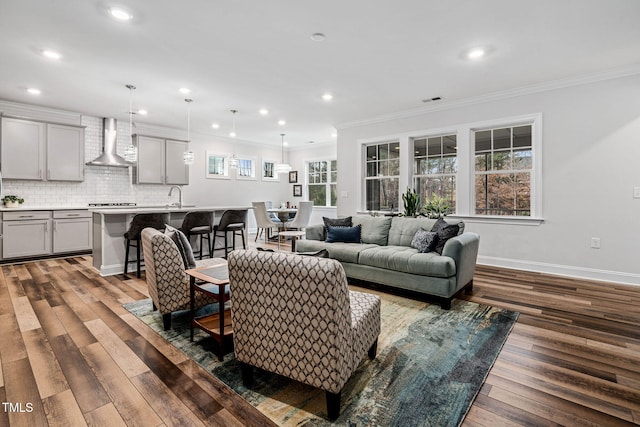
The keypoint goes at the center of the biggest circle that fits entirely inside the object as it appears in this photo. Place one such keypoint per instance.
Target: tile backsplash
(101, 184)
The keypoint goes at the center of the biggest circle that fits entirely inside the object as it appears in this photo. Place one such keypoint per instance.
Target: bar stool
(133, 238)
(234, 221)
(199, 224)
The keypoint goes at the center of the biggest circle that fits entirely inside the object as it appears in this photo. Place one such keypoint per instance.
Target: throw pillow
(337, 222)
(184, 247)
(322, 253)
(445, 231)
(344, 234)
(424, 241)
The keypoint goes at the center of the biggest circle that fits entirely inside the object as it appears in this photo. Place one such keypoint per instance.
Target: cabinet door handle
(72, 215)
(25, 216)
(48, 174)
(40, 173)
(46, 227)
(54, 226)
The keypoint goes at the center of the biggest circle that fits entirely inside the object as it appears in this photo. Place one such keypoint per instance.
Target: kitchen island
(109, 226)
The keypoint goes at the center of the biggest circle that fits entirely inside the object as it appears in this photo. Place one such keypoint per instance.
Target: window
(503, 171)
(382, 171)
(435, 165)
(217, 165)
(321, 182)
(268, 171)
(246, 168)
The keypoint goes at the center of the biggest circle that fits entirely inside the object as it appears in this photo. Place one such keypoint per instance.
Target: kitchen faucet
(179, 193)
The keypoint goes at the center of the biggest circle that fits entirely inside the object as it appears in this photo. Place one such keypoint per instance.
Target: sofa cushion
(343, 252)
(344, 234)
(445, 231)
(375, 229)
(403, 229)
(424, 241)
(408, 260)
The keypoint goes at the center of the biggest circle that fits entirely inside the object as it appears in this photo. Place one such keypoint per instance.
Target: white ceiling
(378, 57)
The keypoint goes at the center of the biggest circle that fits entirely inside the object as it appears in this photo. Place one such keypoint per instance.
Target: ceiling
(378, 56)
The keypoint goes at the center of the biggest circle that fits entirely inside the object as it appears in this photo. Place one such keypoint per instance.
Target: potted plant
(411, 200)
(436, 207)
(12, 201)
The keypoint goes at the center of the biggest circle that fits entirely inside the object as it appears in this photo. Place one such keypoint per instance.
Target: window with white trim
(217, 165)
(503, 171)
(246, 168)
(321, 182)
(435, 166)
(382, 176)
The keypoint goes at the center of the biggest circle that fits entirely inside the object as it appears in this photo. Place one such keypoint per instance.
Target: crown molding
(36, 112)
(496, 96)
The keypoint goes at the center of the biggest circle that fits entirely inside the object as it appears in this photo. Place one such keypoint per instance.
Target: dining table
(283, 213)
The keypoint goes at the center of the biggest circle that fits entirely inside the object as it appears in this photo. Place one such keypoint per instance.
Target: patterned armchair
(295, 315)
(167, 282)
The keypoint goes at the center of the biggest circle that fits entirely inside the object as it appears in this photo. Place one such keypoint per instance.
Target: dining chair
(272, 215)
(302, 218)
(263, 220)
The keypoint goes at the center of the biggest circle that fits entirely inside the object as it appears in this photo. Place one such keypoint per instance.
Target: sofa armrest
(315, 232)
(464, 251)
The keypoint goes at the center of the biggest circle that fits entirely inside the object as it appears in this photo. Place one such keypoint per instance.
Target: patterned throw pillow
(338, 222)
(445, 231)
(184, 247)
(424, 241)
(344, 234)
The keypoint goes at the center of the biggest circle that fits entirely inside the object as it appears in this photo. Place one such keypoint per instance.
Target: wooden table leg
(221, 311)
(192, 282)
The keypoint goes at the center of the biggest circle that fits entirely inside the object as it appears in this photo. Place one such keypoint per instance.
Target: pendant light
(188, 154)
(233, 161)
(282, 167)
(130, 151)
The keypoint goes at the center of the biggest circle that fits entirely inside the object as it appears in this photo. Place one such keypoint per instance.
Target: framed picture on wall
(297, 190)
(293, 177)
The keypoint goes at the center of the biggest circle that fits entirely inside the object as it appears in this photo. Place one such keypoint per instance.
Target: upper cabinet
(160, 161)
(43, 151)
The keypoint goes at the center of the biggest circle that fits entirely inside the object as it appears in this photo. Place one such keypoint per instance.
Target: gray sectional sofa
(386, 257)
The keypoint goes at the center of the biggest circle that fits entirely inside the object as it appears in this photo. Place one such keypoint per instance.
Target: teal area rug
(430, 366)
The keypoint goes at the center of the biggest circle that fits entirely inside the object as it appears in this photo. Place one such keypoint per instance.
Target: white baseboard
(562, 270)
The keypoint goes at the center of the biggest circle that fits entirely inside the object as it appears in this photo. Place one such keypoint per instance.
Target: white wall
(591, 151)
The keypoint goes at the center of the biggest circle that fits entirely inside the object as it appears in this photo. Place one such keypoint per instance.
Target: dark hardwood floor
(70, 354)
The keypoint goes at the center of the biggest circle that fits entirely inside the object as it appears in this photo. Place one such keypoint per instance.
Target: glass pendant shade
(131, 151)
(282, 167)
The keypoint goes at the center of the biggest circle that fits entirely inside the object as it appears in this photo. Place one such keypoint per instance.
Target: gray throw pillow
(184, 247)
(445, 231)
(424, 241)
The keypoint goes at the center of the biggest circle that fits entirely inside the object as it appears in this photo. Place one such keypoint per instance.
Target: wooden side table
(294, 234)
(213, 281)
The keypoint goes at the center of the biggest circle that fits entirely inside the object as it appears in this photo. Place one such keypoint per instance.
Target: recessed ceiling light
(327, 97)
(264, 111)
(51, 54)
(318, 37)
(334, 134)
(282, 122)
(185, 90)
(215, 126)
(232, 134)
(34, 91)
(285, 143)
(142, 112)
(120, 14)
(476, 53)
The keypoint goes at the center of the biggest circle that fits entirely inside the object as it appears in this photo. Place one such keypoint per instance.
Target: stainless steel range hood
(109, 156)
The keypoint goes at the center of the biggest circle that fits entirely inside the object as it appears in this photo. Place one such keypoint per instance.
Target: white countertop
(153, 209)
(43, 208)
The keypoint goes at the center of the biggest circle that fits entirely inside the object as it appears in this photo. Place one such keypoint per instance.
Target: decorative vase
(11, 204)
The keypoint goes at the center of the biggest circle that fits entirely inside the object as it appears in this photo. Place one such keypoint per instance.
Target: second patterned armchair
(323, 329)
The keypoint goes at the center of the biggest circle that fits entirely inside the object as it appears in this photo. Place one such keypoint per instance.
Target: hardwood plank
(511, 413)
(50, 323)
(167, 405)
(111, 318)
(75, 328)
(4, 415)
(106, 415)
(87, 389)
(21, 390)
(27, 319)
(113, 343)
(133, 408)
(12, 344)
(48, 374)
(63, 409)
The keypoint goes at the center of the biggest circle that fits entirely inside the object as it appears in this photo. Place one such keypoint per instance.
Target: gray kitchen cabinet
(26, 233)
(72, 231)
(65, 153)
(160, 161)
(22, 148)
(36, 150)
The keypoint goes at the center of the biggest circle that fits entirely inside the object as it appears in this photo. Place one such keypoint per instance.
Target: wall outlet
(595, 242)
(636, 192)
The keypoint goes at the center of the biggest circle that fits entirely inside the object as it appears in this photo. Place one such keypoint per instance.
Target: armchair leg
(153, 306)
(247, 374)
(166, 321)
(333, 405)
(469, 289)
(373, 350)
(445, 304)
